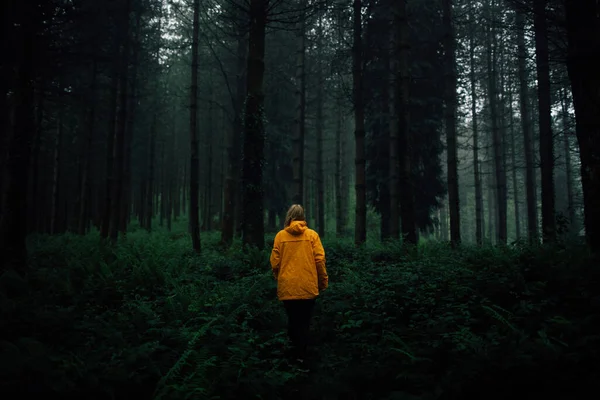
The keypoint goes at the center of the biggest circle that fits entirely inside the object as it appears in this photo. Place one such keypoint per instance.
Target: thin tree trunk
(568, 165)
(299, 123)
(56, 172)
(500, 177)
(360, 227)
(231, 203)
(194, 160)
(530, 181)
(476, 165)
(395, 93)
(545, 121)
(117, 197)
(450, 111)
(320, 122)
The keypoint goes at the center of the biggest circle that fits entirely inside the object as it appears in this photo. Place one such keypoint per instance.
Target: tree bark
(360, 227)
(450, 117)
(583, 63)
(530, 181)
(545, 121)
(194, 159)
(254, 138)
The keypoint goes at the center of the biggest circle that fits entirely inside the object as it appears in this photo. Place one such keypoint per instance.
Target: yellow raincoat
(298, 263)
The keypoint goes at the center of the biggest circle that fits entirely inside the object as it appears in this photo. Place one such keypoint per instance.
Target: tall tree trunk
(320, 123)
(583, 63)
(407, 197)
(339, 216)
(194, 159)
(545, 118)
(395, 97)
(110, 142)
(56, 172)
(496, 137)
(300, 121)
(84, 195)
(125, 208)
(13, 229)
(530, 181)
(513, 161)
(568, 165)
(476, 164)
(253, 218)
(450, 117)
(117, 189)
(151, 175)
(233, 138)
(360, 227)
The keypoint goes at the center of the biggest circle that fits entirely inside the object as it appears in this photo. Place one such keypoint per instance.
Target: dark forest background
(448, 153)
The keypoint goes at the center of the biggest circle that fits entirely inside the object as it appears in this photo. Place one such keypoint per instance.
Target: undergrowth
(149, 319)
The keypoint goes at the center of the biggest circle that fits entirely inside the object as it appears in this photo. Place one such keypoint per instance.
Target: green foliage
(150, 317)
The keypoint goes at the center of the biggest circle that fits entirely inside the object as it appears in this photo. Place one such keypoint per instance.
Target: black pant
(299, 313)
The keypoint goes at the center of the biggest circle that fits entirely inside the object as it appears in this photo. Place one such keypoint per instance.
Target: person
(298, 263)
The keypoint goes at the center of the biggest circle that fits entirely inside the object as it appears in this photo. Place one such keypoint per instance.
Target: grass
(148, 319)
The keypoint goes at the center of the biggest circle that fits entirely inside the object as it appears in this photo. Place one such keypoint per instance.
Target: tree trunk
(13, 229)
(360, 227)
(254, 138)
(231, 187)
(395, 97)
(496, 139)
(299, 123)
(84, 195)
(194, 160)
(530, 181)
(583, 63)
(117, 189)
(450, 117)
(407, 206)
(476, 165)
(56, 172)
(320, 122)
(568, 165)
(545, 118)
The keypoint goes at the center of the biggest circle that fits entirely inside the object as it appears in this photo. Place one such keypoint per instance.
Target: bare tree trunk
(450, 111)
(476, 165)
(320, 122)
(84, 195)
(117, 189)
(545, 118)
(231, 203)
(583, 32)
(513, 160)
(360, 227)
(395, 97)
(194, 160)
(13, 229)
(407, 198)
(299, 123)
(253, 214)
(110, 143)
(496, 138)
(56, 172)
(530, 181)
(568, 165)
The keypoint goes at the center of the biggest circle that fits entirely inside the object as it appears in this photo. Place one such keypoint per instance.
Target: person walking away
(298, 263)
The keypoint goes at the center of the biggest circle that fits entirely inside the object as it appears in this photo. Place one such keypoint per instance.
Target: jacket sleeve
(275, 257)
(319, 254)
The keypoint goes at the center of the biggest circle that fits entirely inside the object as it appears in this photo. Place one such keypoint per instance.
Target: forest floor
(149, 319)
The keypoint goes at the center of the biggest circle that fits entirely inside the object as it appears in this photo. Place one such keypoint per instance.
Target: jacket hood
(296, 227)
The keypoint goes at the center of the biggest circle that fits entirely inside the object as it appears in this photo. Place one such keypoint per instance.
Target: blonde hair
(294, 213)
